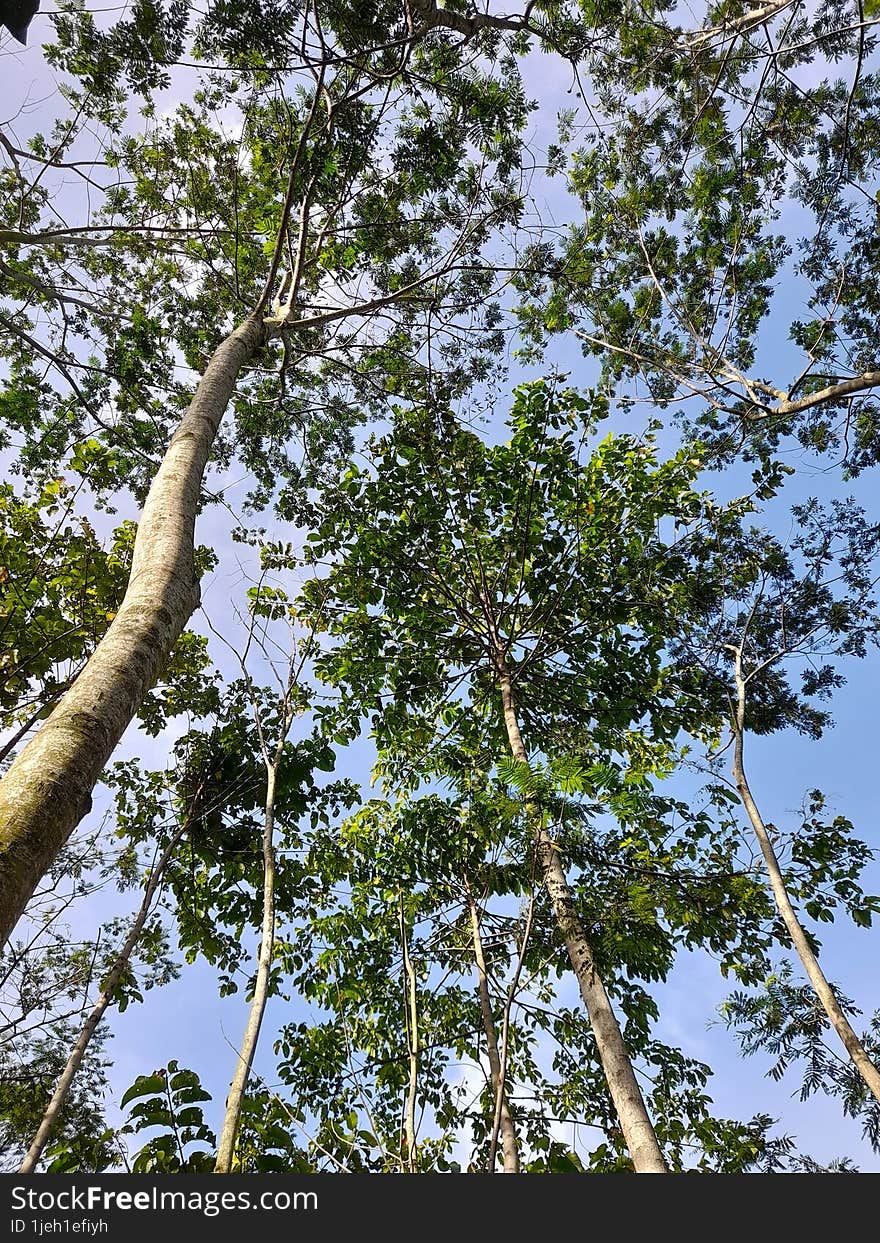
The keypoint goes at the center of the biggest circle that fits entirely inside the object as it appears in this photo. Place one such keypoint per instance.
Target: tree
(120, 967)
(333, 228)
(503, 1125)
(347, 1062)
(356, 242)
(51, 1043)
(285, 773)
(473, 587)
(684, 274)
(799, 605)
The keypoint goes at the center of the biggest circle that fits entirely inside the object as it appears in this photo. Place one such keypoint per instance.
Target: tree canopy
(438, 445)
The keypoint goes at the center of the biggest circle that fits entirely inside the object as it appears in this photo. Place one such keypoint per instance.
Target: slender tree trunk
(638, 1130)
(502, 1122)
(78, 1052)
(816, 975)
(412, 1045)
(238, 1087)
(47, 789)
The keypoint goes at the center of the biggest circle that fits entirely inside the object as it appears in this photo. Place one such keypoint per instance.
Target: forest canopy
(437, 538)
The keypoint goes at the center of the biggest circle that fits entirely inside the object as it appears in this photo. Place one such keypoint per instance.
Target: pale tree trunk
(78, 1052)
(412, 1046)
(815, 974)
(638, 1130)
(248, 1048)
(47, 789)
(502, 1122)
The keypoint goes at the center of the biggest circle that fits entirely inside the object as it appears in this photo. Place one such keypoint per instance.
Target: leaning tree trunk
(48, 788)
(78, 1052)
(638, 1130)
(226, 1147)
(799, 939)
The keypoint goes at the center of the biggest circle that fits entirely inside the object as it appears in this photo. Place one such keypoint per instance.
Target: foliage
(375, 165)
(59, 590)
(535, 549)
(83, 1141)
(169, 1100)
(785, 1021)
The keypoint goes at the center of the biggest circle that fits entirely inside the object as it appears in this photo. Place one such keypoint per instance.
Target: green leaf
(144, 1085)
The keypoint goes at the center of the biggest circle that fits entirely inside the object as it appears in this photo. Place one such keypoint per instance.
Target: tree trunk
(238, 1087)
(502, 1122)
(411, 1026)
(48, 787)
(816, 975)
(638, 1130)
(78, 1052)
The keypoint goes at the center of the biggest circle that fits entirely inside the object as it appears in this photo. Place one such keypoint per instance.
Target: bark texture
(48, 788)
(638, 1130)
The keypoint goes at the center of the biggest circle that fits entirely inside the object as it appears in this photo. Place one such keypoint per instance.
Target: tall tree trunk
(48, 787)
(502, 1121)
(815, 974)
(78, 1052)
(638, 1130)
(411, 1026)
(238, 1087)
